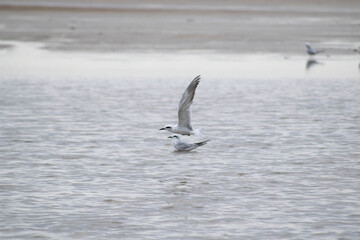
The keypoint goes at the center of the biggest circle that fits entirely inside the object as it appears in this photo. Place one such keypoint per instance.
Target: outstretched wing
(184, 112)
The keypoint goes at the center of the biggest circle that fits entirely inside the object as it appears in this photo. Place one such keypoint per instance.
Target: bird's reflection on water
(310, 63)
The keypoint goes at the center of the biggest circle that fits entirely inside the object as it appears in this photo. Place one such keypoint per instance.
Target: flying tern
(184, 126)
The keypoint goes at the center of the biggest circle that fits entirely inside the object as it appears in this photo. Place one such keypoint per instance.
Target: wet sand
(229, 27)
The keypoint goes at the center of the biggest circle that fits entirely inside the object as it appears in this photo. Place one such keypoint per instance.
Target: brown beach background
(275, 26)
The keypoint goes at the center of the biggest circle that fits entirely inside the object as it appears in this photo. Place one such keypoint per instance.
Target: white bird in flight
(184, 126)
(184, 146)
(312, 51)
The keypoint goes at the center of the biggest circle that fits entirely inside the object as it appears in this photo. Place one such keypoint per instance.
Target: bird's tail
(202, 143)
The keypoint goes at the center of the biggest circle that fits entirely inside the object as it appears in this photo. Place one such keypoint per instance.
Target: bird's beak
(162, 129)
(170, 137)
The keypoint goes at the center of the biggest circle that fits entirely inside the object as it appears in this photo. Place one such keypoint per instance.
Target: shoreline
(31, 60)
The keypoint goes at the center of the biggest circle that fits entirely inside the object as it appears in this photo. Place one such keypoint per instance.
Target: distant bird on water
(184, 126)
(312, 51)
(181, 145)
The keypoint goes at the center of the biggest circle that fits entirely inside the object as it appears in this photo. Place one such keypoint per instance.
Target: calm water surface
(82, 157)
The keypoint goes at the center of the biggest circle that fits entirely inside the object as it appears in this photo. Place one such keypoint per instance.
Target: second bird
(312, 51)
(181, 145)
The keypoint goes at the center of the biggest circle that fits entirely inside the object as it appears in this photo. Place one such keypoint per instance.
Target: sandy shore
(227, 26)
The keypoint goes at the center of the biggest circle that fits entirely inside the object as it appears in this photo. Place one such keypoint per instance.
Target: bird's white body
(181, 130)
(184, 125)
(181, 145)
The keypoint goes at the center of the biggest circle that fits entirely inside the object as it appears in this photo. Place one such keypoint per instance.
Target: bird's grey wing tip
(197, 79)
(202, 143)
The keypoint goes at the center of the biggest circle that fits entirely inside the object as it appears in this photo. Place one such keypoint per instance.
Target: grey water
(81, 156)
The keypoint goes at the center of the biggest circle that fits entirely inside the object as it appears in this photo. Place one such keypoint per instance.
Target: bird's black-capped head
(166, 128)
